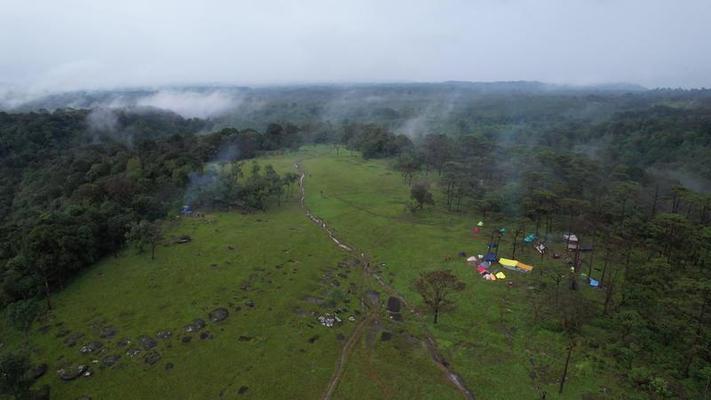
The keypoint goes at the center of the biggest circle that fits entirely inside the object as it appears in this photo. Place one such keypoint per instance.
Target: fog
(64, 45)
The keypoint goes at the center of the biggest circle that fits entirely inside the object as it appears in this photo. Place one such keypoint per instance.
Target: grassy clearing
(488, 337)
(276, 261)
(287, 266)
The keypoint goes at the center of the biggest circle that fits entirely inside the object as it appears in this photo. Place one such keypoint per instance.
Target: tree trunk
(436, 314)
(565, 369)
(47, 293)
(153, 251)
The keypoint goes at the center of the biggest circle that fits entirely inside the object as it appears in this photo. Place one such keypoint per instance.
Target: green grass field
(288, 268)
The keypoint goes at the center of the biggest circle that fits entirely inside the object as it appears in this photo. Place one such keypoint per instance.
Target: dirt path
(429, 341)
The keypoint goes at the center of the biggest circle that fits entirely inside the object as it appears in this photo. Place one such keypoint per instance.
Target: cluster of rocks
(329, 320)
(144, 347)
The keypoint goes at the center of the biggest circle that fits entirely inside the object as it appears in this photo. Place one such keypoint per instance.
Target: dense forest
(628, 173)
(71, 196)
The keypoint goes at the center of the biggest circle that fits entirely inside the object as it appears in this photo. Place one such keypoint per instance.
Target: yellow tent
(500, 275)
(507, 262)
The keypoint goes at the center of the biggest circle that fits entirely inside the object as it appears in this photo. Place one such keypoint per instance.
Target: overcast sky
(79, 44)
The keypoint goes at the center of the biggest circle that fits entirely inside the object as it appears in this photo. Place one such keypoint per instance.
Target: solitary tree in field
(145, 234)
(420, 192)
(435, 287)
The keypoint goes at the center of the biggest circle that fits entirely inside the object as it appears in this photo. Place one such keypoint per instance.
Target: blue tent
(594, 283)
(529, 238)
(490, 257)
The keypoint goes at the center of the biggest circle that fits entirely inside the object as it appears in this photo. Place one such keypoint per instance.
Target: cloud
(82, 44)
(192, 104)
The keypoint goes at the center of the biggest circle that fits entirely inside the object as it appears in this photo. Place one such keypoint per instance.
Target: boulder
(152, 357)
(219, 314)
(71, 373)
(91, 347)
(109, 361)
(164, 334)
(195, 326)
(108, 332)
(147, 342)
(38, 371)
(73, 338)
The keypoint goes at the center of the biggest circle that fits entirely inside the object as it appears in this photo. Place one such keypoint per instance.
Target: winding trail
(429, 342)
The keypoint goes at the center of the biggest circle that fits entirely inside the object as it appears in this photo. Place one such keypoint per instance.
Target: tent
(507, 262)
(490, 257)
(529, 238)
(476, 229)
(515, 265)
(524, 267)
(485, 264)
(500, 275)
(480, 224)
(569, 237)
(472, 259)
(541, 248)
(502, 231)
(594, 282)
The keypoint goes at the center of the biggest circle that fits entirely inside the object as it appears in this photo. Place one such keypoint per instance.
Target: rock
(394, 304)
(147, 342)
(206, 335)
(164, 334)
(108, 332)
(110, 360)
(71, 373)
(186, 339)
(169, 366)
(373, 297)
(183, 239)
(219, 314)
(63, 333)
(38, 371)
(385, 336)
(243, 389)
(195, 326)
(152, 357)
(133, 352)
(72, 339)
(91, 347)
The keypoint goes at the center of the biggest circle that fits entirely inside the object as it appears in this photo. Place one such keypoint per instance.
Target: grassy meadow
(274, 272)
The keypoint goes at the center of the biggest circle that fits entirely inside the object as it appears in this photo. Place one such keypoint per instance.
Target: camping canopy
(570, 237)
